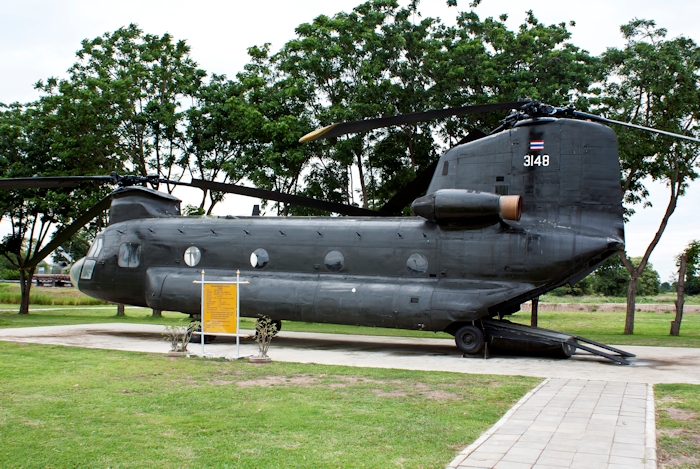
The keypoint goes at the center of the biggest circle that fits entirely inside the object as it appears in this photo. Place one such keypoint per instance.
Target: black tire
(277, 323)
(568, 348)
(196, 338)
(469, 339)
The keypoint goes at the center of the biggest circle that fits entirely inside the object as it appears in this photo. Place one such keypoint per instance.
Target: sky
(39, 38)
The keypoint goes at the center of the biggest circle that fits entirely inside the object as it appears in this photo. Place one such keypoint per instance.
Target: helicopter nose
(75, 272)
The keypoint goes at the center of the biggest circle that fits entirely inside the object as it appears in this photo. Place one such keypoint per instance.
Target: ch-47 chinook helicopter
(505, 217)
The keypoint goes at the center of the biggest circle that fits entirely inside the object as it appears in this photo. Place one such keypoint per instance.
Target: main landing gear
(469, 339)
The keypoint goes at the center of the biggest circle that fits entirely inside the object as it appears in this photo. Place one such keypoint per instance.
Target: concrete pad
(652, 365)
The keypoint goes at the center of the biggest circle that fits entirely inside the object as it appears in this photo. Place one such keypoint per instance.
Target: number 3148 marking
(536, 160)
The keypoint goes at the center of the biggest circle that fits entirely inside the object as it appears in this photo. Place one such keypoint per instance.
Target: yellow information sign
(219, 312)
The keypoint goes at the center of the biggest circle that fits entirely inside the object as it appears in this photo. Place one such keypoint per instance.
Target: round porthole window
(259, 258)
(334, 261)
(417, 264)
(192, 256)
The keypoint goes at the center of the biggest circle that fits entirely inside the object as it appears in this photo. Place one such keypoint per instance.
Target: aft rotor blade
(593, 117)
(288, 199)
(51, 182)
(335, 130)
(68, 232)
(410, 191)
(421, 182)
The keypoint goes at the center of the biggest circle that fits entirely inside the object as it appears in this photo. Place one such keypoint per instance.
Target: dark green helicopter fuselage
(408, 272)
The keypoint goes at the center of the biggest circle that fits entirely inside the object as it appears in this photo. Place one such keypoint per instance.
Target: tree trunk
(120, 309)
(25, 285)
(676, 325)
(533, 311)
(631, 301)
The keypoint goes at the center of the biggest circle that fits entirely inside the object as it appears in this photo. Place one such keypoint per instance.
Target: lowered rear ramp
(507, 336)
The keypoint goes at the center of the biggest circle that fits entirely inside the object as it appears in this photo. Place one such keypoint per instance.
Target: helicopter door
(155, 278)
(337, 302)
(378, 300)
(413, 306)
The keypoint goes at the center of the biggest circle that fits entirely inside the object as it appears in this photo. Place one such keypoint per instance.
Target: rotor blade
(411, 191)
(288, 199)
(421, 182)
(70, 230)
(51, 182)
(334, 130)
(585, 115)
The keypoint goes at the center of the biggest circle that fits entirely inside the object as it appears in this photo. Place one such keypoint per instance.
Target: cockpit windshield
(96, 247)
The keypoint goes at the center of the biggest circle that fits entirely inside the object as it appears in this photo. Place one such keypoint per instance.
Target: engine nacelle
(461, 204)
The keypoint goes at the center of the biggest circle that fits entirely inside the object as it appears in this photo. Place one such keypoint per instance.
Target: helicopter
(506, 217)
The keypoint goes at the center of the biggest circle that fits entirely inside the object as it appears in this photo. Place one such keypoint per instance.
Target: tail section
(567, 175)
(566, 171)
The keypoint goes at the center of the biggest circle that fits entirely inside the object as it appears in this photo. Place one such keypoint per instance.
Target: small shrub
(265, 330)
(179, 335)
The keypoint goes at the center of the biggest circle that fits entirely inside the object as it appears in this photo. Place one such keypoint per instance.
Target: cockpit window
(88, 268)
(129, 255)
(96, 248)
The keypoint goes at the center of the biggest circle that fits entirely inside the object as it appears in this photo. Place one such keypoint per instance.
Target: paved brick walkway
(570, 423)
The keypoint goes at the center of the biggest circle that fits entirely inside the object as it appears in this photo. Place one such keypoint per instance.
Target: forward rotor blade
(335, 130)
(288, 199)
(51, 182)
(69, 231)
(593, 117)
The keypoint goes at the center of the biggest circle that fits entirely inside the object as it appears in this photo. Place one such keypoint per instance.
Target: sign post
(221, 308)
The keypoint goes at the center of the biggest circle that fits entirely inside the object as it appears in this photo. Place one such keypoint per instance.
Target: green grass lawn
(70, 407)
(678, 425)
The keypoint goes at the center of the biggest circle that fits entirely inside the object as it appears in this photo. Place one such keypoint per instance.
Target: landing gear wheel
(197, 338)
(469, 339)
(568, 348)
(278, 324)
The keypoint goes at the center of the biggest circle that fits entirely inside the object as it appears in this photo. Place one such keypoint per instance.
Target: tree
(653, 82)
(345, 63)
(379, 60)
(274, 109)
(692, 271)
(31, 143)
(130, 86)
(219, 126)
(612, 278)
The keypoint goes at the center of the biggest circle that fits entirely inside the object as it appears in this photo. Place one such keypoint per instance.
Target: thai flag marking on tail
(536, 145)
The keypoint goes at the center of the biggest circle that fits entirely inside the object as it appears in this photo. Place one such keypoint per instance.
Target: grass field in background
(72, 407)
(10, 294)
(663, 298)
(649, 328)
